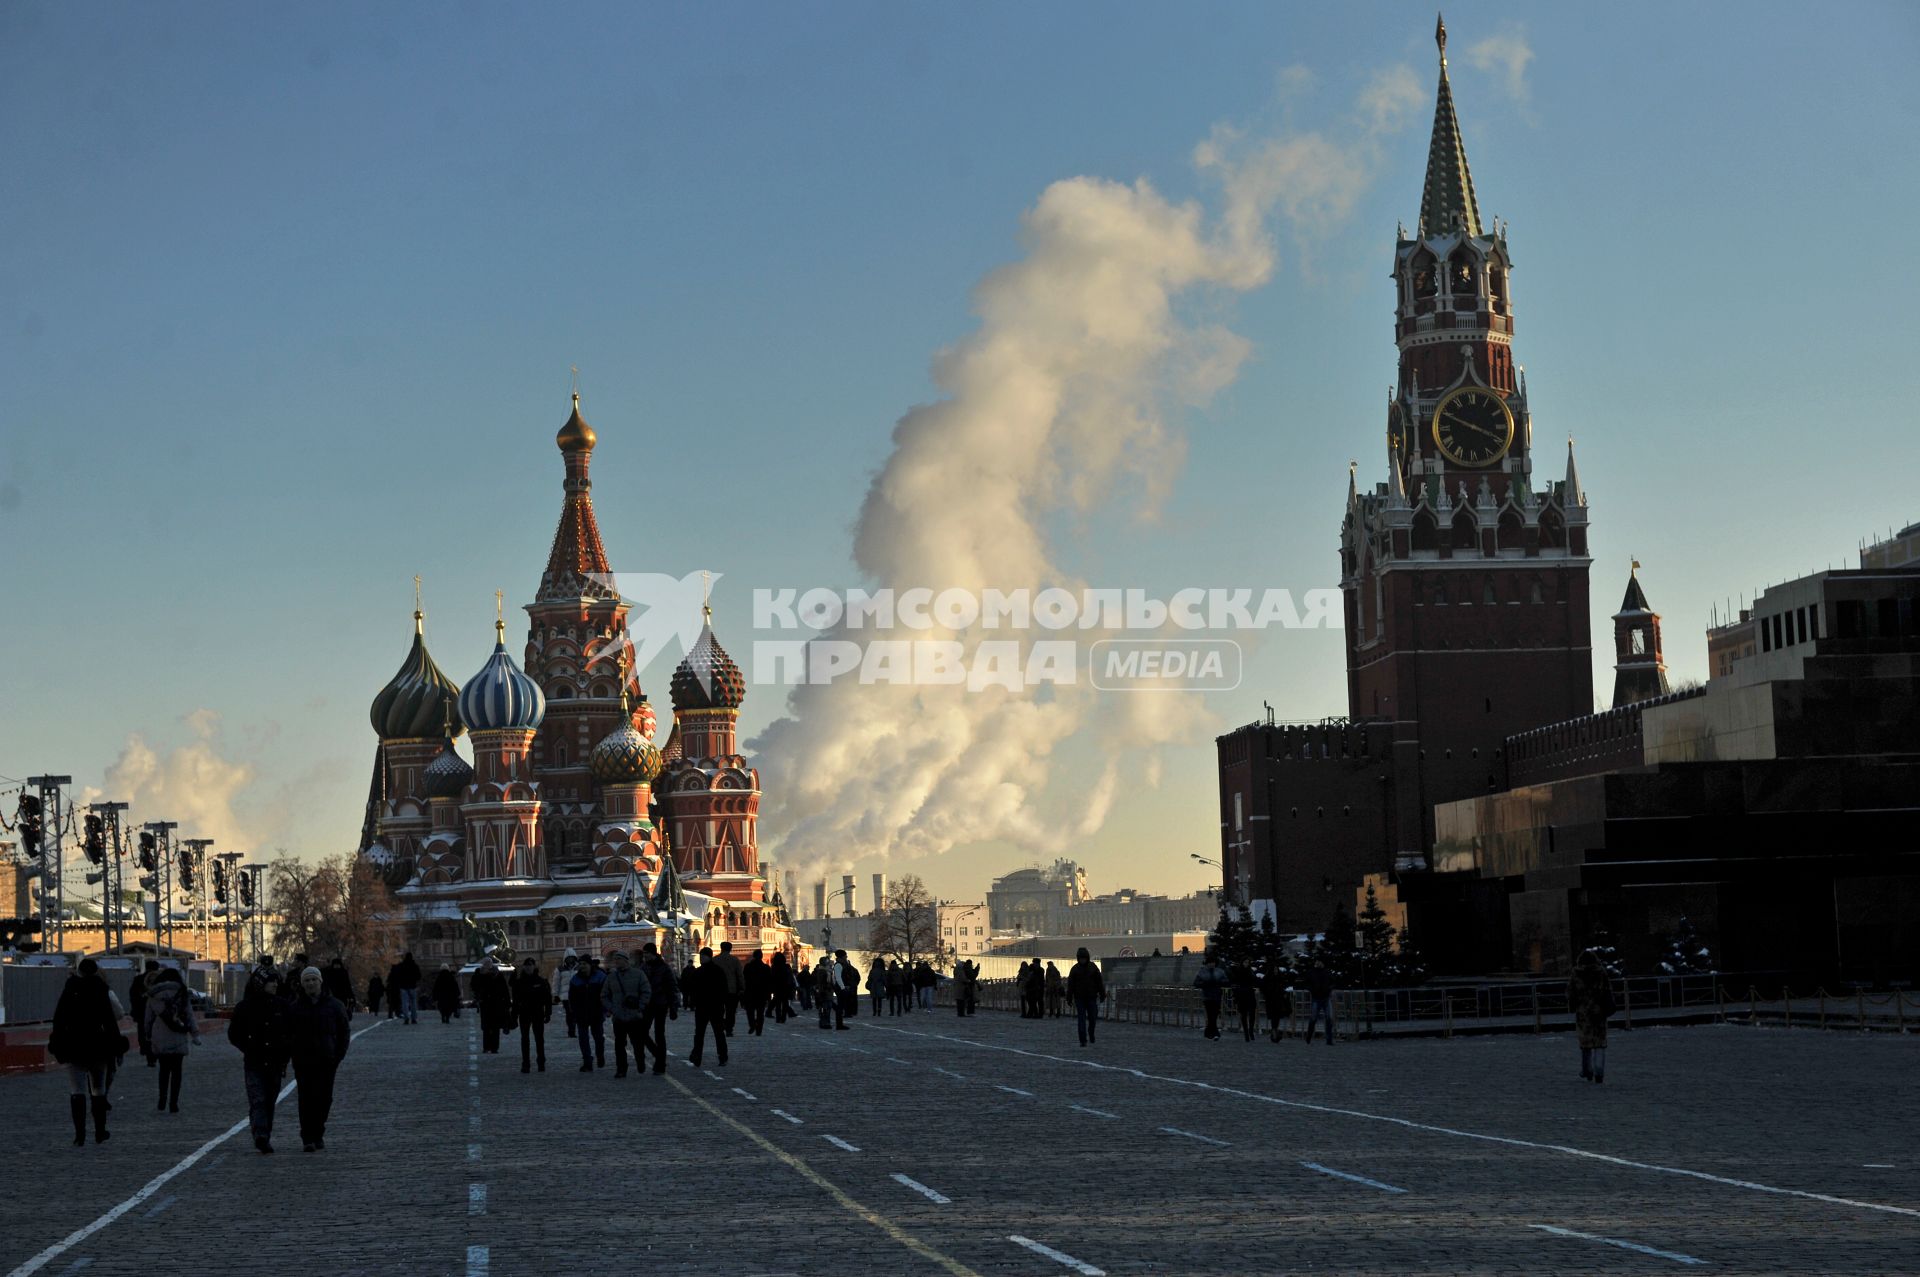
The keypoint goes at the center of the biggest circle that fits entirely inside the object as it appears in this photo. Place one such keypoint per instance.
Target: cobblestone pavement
(931, 1144)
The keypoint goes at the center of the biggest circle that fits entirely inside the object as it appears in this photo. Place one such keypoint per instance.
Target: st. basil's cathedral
(569, 829)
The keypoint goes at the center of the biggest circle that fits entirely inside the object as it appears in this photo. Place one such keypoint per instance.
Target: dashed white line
(1876, 1166)
(715, 1076)
(1358, 1179)
(837, 1142)
(1058, 1256)
(938, 1198)
(161, 1205)
(1675, 1256)
(473, 1152)
(473, 1120)
(745, 1094)
(861, 1049)
(478, 1261)
(476, 1199)
(790, 1117)
(950, 1073)
(1096, 1112)
(1012, 1090)
(1204, 1139)
(894, 1059)
(474, 1080)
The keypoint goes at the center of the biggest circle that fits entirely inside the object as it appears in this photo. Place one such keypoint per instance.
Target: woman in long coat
(1590, 996)
(86, 1038)
(171, 1029)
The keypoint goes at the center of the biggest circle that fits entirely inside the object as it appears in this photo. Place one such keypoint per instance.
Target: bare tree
(907, 924)
(336, 907)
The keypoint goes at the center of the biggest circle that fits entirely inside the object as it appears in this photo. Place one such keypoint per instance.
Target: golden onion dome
(576, 435)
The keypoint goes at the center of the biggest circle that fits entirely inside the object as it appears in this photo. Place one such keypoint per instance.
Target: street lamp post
(827, 930)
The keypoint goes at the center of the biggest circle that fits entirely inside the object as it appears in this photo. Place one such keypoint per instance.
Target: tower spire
(1575, 496)
(1447, 201)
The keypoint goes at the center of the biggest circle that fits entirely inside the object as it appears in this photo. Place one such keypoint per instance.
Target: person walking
(1320, 989)
(781, 984)
(262, 1030)
(1246, 998)
(1212, 982)
(377, 995)
(137, 1006)
(1590, 995)
(86, 1037)
(446, 994)
(736, 981)
(625, 993)
(877, 985)
(290, 986)
(406, 977)
(171, 1032)
(826, 992)
(585, 1001)
(663, 1004)
(320, 1040)
(755, 985)
(708, 996)
(494, 997)
(532, 1007)
(1275, 988)
(899, 989)
(339, 982)
(561, 979)
(1088, 989)
(848, 1005)
(1056, 988)
(803, 985)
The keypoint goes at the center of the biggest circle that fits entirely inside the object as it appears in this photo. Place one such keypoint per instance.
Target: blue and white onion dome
(624, 757)
(500, 697)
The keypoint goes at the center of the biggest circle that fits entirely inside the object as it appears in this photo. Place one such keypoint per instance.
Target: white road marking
(744, 1094)
(1204, 1139)
(474, 1080)
(477, 1261)
(790, 1117)
(1096, 1112)
(894, 1059)
(1012, 1090)
(861, 1049)
(216, 1161)
(473, 1152)
(837, 1142)
(161, 1205)
(476, 1199)
(151, 1187)
(473, 1120)
(1877, 1166)
(939, 1198)
(76, 1265)
(950, 1073)
(1358, 1179)
(1675, 1256)
(1058, 1256)
(715, 1076)
(1406, 1123)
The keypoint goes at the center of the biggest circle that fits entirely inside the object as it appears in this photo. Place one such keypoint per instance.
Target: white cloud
(1505, 55)
(192, 784)
(1394, 96)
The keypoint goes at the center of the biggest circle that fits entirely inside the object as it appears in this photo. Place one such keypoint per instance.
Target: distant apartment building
(964, 929)
(1056, 902)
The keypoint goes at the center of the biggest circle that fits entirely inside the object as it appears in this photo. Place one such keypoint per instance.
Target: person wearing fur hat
(320, 1039)
(262, 1030)
(171, 1032)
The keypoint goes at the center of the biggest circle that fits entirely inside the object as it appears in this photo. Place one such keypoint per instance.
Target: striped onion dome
(500, 697)
(624, 757)
(707, 678)
(447, 774)
(417, 701)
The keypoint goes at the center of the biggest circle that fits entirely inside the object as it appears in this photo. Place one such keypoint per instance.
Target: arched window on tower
(1497, 289)
(1466, 533)
(1461, 280)
(1512, 530)
(1553, 532)
(1426, 531)
(1425, 282)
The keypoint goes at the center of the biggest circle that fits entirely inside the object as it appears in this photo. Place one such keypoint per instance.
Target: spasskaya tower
(1464, 573)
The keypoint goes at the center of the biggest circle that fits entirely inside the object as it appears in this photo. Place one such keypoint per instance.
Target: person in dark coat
(405, 976)
(708, 996)
(583, 999)
(736, 986)
(319, 1037)
(339, 982)
(290, 982)
(826, 993)
(86, 1037)
(377, 994)
(495, 1003)
(393, 1000)
(1246, 998)
(137, 1007)
(755, 985)
(663, 1004)
(626, 994)
(446, 994)
(878, 987)
(1212, 982)
(925, 981)
(1087, 989)
(849, 1005)
(803, 985)
(1590, 997)
(171, 1032)
(262, 1030)
(781, 986)
(966, 985)
(1320, 989)
(1274, 987)
(533, 1007)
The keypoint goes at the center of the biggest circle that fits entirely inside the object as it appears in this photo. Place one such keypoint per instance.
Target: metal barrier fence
(1542, 1005)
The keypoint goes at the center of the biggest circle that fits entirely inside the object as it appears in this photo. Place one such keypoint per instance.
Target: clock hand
(1462, 421)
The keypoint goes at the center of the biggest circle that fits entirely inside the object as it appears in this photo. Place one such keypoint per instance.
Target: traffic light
(95, 841)
(148, 844)
(246, 890)
(32, 825)
(220, 881)
(186, 870)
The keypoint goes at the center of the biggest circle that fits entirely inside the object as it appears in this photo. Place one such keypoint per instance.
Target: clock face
(1473, 427)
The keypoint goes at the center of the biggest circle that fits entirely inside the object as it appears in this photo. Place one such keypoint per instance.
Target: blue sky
(289, 297)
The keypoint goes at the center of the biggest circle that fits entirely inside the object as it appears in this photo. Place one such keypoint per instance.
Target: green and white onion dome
(624, 757)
